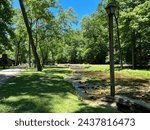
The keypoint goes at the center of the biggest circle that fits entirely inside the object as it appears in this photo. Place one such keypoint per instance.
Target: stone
(129, 105)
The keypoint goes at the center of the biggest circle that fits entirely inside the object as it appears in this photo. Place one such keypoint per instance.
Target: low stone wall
(128, 105)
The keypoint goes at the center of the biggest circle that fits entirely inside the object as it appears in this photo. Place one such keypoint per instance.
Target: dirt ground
(136, 88)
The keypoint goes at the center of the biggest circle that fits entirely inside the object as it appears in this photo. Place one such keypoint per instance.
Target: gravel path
(9, 73)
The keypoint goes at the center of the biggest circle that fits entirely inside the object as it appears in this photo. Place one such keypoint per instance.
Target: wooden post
(111, 48)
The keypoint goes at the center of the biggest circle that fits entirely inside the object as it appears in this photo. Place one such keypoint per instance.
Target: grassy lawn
(132, 83)
(45, 91)
(1, 68)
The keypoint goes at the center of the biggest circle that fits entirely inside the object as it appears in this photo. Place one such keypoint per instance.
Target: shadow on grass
(132, 87)
(56, 67)
(42, 92)
(99, 77)
(58, 71)
(34, 85)
(101, 109)
(24, 105)
(131, 82)
(32, 93)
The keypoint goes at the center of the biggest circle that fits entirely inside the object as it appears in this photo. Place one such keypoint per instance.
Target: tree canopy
(56, 41)
(6, 31)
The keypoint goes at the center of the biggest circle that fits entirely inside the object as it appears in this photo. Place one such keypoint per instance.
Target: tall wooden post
(111, 48)
(110, 9)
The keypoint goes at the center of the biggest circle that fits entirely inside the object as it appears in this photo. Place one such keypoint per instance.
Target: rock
(129, 105)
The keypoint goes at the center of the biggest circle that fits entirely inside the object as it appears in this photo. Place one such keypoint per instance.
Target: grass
(137, 73)
(11, 67)
(105, 68)
(1, 68)
(44, 92)
(132, 83)
(89, 67)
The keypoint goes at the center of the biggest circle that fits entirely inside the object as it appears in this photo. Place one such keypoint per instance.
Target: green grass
(136, 73)
(95, 67)
(132, 83)
(11, 67)
(43, 92)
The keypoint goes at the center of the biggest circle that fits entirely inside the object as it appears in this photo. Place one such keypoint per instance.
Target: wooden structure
(5, 61)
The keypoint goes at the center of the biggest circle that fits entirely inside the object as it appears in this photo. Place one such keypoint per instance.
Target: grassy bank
(45, 91)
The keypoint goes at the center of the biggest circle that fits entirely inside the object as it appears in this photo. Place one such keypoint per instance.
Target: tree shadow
(56, 67)
(32, 93)
(132, 87)
(26, 105)
(55, 70)
(99, 109)
(131, 82)
(34, 85)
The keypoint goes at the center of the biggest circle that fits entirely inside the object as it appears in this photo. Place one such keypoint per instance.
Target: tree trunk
(42, 55)
(53, 59)
(29, 48)
(36, 36)
(39, 67)
(133, 50)
(29, 51)
(119, 45)
(140, 51)
(17, 53)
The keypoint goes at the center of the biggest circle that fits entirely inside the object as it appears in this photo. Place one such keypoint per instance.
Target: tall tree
(39, 67)
(134, 27)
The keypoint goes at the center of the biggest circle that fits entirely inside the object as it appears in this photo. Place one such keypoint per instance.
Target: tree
(95, 31)
(134, 27)
(39, 67)
(53, 38)
(43, 24)
(6, 31)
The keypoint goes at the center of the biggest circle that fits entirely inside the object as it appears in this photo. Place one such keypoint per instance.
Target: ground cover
(45, 91)
(132, 83)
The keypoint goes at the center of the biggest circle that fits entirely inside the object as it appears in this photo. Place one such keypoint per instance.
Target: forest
(55, 41)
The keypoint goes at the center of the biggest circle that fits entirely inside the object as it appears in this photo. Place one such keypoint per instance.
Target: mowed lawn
(44, 92)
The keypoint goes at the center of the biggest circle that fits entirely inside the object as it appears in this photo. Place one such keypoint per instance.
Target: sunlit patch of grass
(129, 72)
(137, 73)
(89, 67)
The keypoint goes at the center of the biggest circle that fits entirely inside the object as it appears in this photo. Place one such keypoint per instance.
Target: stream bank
(84, 88)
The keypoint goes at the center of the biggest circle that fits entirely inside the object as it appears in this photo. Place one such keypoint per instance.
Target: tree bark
(42, 55)
(119, 45)
(133, 50)
(17, 53)
(29, 52)
(140, 50)
(39, 67)
(29, 48)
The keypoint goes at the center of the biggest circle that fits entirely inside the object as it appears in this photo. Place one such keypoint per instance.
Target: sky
(81, 7)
